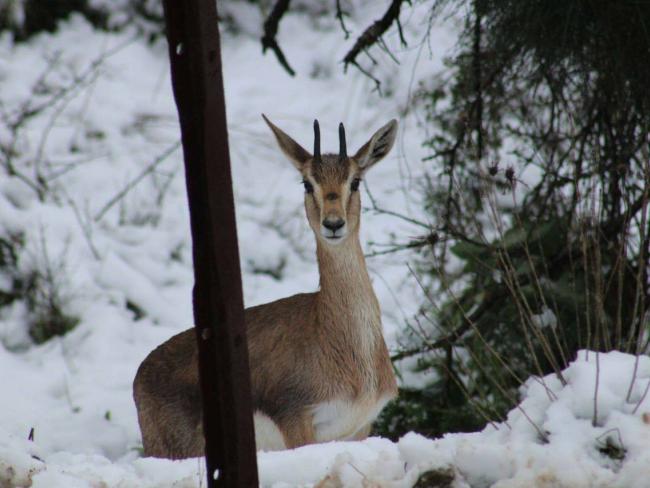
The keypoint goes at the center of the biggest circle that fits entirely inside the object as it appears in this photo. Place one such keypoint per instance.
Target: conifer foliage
(539, 177)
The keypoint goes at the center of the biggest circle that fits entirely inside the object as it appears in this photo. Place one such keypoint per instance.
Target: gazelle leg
(298, 431)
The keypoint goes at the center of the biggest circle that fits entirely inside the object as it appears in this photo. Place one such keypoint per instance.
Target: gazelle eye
(309, 188)
(355, 184)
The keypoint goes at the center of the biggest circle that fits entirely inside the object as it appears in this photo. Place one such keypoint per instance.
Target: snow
(510, 454)
(545, 319)
(125, 272)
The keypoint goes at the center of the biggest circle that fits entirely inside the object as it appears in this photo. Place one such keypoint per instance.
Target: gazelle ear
(377, 147)
(294, 151)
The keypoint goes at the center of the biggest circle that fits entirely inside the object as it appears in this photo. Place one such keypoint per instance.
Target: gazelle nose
(333, 225)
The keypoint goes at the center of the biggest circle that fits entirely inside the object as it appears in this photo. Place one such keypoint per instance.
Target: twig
(379, 210)
(639, 279)
(107, 206)
(415, 244)
(367, 73)
(452, 337)
(497, 356)
(385, 48)
(594, 420)
(477, 84)
(339, 15)
(643, 397)
(448, 340)
(16, 120)
(402, 40)
(371, 36)
(270, 32)
(449, 350)
(515, 288)
(86, 228)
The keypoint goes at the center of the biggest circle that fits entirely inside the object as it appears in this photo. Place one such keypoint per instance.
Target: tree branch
(451, 339)
(372, 34)
(270, 32)
(339, 15)
(133, 183)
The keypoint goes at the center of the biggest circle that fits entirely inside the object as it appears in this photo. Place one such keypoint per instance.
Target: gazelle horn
(343, 152)
(316, 140)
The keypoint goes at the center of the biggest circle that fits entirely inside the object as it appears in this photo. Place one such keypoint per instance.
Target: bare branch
(372, 34)
(375, 208)
(452, 338)
(270, 32)
(429, 240)
(369, 75)
(137, 180)
(339, 15)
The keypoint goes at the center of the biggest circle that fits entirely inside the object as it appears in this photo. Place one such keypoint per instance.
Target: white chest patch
(342, 419)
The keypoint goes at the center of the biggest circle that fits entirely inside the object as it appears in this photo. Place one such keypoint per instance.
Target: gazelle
(320, 369)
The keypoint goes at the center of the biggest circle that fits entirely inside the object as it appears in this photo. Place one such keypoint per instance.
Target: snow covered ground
(548, 441)
(106, 123)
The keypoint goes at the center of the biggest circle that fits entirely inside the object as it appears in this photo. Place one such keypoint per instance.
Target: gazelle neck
(344, 282)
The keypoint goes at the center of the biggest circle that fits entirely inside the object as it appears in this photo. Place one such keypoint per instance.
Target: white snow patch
(554, 445)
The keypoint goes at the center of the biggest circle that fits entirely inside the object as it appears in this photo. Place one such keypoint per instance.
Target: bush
(41, 288)
(47, 307)
(28, 18)
(539, 183)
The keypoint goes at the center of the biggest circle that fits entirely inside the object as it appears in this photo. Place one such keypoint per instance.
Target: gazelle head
(332, 181)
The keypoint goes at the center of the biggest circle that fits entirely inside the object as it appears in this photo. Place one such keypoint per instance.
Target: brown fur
(304, 350)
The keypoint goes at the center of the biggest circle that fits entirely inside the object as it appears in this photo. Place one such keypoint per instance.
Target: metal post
(195, 54)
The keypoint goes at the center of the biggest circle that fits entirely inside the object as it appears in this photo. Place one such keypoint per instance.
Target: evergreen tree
(539, 181)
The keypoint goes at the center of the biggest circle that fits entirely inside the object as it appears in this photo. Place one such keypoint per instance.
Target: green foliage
(46, 305)
(441, 478)
(8, 263)
(599, 38)
(531, 300)
(431, 411)
(527, 273)
(43, 16)
(49, 321)
(25, 19)
(612, 449)
(40, 288)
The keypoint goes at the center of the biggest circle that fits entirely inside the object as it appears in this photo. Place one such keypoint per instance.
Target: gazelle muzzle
(333, 229)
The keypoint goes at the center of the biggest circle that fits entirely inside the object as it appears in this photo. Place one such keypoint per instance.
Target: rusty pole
(195, 56)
